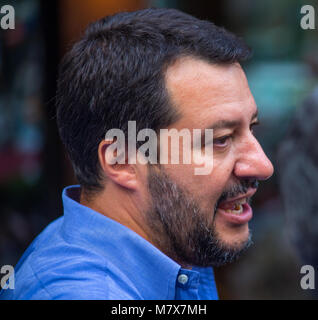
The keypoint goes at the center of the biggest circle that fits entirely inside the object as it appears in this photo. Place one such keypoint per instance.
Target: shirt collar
(119, 245)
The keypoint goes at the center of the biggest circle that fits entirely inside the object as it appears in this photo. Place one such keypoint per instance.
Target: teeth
(241, 201)
(237, 210)
(238, 207)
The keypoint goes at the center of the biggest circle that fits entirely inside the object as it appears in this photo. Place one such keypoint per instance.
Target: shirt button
(183, 278)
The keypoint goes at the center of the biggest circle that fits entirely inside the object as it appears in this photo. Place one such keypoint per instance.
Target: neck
(125, 207)
(119, 204)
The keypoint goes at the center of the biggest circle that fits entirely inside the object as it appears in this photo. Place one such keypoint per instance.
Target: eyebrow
(230, 124)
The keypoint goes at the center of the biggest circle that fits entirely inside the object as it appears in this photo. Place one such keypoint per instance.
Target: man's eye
(221, 142)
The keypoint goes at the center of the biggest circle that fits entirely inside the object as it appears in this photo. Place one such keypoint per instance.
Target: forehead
(204, 92)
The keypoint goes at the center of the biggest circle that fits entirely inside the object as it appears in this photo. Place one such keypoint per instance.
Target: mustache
(240, 188)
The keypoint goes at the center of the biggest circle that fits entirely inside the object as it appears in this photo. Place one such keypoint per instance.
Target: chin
(236, 237)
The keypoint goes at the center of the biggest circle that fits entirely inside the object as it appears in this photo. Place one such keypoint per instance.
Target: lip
(249, 194)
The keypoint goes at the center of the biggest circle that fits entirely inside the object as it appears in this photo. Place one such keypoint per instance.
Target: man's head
(165, 69)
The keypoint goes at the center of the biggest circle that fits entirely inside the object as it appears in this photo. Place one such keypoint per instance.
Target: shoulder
(52, 269)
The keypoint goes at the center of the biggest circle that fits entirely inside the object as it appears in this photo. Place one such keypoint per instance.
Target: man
(148, 231)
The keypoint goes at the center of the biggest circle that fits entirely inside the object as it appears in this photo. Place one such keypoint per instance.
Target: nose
(253, 162)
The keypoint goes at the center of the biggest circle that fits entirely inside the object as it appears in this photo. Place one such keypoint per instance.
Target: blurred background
(283, 76)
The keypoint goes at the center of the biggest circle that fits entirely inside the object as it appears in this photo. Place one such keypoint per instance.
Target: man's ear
(123, 174)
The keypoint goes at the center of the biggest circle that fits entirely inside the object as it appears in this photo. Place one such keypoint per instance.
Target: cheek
(220, 176)
(222, 171)
(206, 189)
(211, 187)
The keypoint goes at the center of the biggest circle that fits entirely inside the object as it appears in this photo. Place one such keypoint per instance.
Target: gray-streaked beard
(182, 230)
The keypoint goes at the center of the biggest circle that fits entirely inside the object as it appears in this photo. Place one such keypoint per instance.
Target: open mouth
(237, 210)
(234, 207)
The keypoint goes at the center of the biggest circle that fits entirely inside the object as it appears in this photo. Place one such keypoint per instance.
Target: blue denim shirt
(85, 255)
